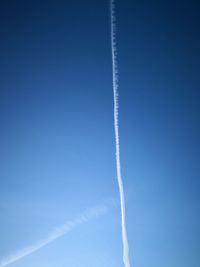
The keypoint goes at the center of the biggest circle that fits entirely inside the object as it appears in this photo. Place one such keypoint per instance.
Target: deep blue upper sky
(57, 153)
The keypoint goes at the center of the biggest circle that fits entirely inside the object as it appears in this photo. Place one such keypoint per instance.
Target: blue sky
(57, 154)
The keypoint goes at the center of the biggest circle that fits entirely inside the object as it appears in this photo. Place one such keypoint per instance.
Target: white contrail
(84, 217)
(116, 127)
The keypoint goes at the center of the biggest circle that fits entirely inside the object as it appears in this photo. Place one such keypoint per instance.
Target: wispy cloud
(82, 218)
(116, 127)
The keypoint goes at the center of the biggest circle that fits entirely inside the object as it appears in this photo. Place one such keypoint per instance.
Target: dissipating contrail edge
(84, 217)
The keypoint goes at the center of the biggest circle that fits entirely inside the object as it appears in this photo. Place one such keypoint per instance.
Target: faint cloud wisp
(84, 217)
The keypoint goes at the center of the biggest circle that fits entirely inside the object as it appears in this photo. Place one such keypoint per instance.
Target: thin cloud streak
(82, 218)
(116, 127)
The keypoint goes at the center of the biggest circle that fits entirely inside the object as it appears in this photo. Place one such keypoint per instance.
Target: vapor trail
(82, 218)
(116, 127)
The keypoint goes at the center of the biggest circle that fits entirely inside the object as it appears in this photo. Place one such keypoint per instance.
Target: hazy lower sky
(57, 149)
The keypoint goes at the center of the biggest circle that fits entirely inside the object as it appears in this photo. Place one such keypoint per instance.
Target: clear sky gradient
(57, 150)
